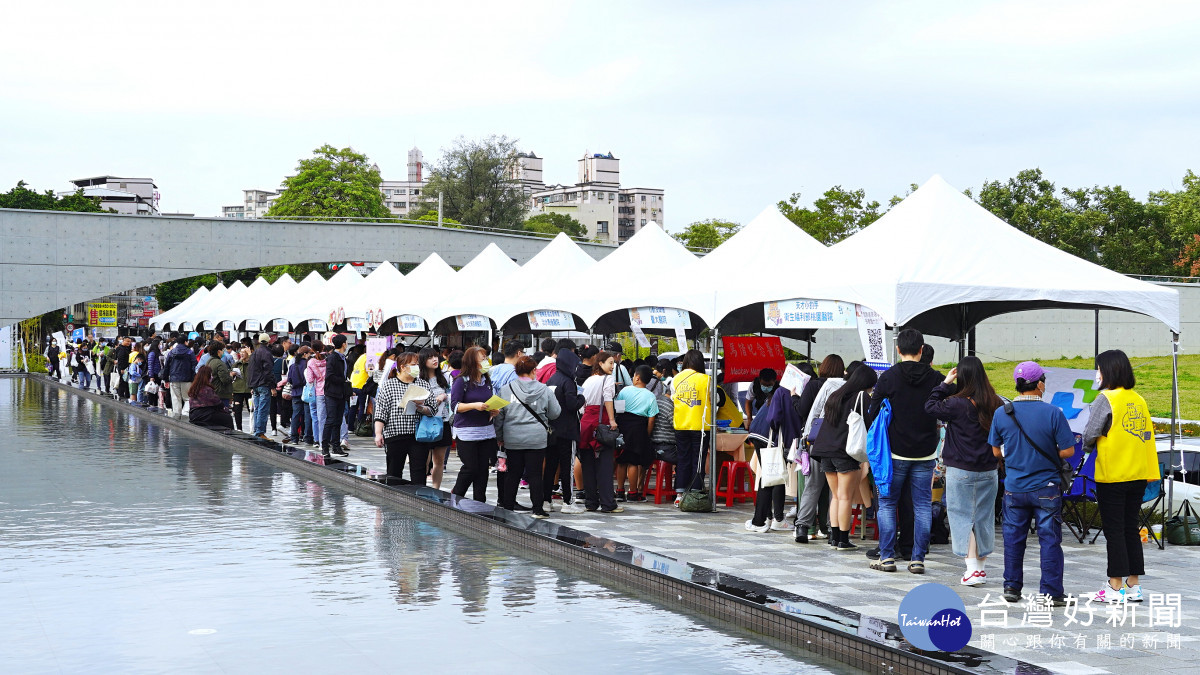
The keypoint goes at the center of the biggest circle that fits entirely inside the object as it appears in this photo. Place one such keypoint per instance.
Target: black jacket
(337, 382)
(122, 357)
(180, 365)
(967, 446)
(262, 367)
(570, 401)
(907, 385)
(803, 403)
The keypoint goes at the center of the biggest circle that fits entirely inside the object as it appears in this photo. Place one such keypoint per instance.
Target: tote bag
(879, 449)
(429, 429)
(856, 439)
(772, 469)
(309, 395)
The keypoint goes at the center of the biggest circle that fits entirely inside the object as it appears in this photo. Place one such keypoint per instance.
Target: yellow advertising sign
(102, 314)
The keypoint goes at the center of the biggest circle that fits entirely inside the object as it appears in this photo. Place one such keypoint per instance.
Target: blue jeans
(971, 505)
(140, 396)
(318, 417)
(85, 379)
(919, 478)
(301, 419)
(1044, 507)
(262, 409)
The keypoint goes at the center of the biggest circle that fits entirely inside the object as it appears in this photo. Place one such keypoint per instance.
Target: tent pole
(712, 426)
(971, 341)
(1174, 420)
(1096, 351)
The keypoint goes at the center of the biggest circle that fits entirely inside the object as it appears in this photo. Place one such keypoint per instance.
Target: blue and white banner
(550, 319)
(665, 318)
(805, 313)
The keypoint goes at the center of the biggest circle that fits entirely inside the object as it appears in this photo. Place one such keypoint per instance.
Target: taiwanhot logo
(934, 618)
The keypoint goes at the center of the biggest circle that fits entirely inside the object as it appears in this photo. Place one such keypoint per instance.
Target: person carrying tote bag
(842, 472)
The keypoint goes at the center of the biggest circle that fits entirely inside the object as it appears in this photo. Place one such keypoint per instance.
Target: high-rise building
(610, 213)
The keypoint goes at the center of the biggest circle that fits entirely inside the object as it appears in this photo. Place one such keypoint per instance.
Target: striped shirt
(395, 422)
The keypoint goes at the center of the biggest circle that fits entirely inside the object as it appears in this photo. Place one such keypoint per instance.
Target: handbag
(287, 392)
(856, 439)
(151, 388)
(429, 429)
(365, 427)
(551, 432)
(1066, 472)
(772, 468)
(879, 449)
(606, 435)
(309, 394)
(370, 387)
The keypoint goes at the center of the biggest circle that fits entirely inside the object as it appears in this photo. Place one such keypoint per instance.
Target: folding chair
(1082, 492)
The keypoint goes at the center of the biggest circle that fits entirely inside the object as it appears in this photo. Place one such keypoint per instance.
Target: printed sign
(660, 317)
(1072, 390)
(375, 347)
(472, 322)
(102, 314)
(186, 326)
(870, 333)
(206, 325)
(681, 338)
(226, 325)
(279, 325)
(375, 317)
(149, 312)
(642, 340)
(550, 319)
(355, 323)
(410, 323)
(251, 324)
(317, 326)
(806, 313)
(746, 356)
(337, 316)
(77, 334)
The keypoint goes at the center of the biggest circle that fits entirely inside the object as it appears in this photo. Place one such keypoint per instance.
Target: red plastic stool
(857, 520)
(735, 488)
(664, 482)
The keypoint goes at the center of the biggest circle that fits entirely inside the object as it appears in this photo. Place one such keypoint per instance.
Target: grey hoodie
(516, 428)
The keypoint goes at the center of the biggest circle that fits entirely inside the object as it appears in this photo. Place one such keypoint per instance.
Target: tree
(553, 223)
(838, 214)
(475, 179)
(1181, 210)
(332, 184)
(21, 197)
(432, 218)
(707, 234)
(1030, 202)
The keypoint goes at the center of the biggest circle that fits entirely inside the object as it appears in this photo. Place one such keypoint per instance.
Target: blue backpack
(879, 449)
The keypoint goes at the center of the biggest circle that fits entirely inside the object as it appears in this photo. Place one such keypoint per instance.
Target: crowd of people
(523, 418)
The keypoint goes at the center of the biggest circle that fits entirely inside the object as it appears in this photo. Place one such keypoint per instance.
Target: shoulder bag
(551, 432)
(1066, 472)
(772, 467)
(429, 429)
(856, 439)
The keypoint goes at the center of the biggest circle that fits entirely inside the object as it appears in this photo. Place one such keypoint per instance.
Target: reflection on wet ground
(125, 547)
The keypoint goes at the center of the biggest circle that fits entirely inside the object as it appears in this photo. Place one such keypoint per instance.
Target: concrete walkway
(720, 541)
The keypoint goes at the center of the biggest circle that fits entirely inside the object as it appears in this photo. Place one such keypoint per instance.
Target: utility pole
(439, 209)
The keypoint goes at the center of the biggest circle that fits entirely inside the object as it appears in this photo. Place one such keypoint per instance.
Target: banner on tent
(660, 317)
(186, 326)
(279, 325)
(409, 323)
(375, 317)
(102, 314)
(317, 326)
(870, 332)
(337, 316)
(681, 338)
(355, 323)
(472, 322)
(206, 325)
(550, 319)
(1072, 390)
(252, 324)
(805, 313)
(746, 356)
(640, 335)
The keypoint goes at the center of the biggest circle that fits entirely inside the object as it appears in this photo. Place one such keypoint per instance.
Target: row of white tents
(937, 262)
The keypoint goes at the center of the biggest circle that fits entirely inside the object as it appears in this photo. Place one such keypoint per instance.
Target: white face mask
(1096, 381)
(415, 371)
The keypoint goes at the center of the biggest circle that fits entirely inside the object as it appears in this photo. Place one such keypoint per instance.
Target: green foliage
(1182, 213)
(553, 223)
(446, 222)
(707, 234)
(21, 197)
(331, 184)
(475, 179)
(837, 214)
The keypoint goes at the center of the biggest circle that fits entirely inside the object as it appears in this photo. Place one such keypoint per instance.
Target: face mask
(415, 371)
(484, 367)
(1096, 380)
(767, 388)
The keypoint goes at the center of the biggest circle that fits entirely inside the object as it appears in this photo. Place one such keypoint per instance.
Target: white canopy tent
(169, 316)
(216, 297)
(472, 291)
(293, 301)
(317, 307)
(432, 277)
(281, 289)
(212, 310)
(237, 310)
(372, 294)
(941, 263)
(525, 290)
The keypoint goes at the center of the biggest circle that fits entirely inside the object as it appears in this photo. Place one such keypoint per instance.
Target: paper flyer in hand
(793, 379)
(495, 403)
(412, 396)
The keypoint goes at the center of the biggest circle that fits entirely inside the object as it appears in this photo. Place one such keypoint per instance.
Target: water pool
(126, 548)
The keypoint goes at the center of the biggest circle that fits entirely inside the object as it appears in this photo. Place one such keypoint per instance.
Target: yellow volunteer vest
(730, 411)
(359, 377)
(1127, 452)
(690, 396)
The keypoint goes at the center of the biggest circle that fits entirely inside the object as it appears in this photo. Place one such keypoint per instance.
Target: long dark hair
(433, 374)
(203, 379)
(1115, 370)
(837, 408)
(973, 385)
(693, 359)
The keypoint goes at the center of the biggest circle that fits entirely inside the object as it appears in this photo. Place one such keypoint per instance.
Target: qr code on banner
(875, 342)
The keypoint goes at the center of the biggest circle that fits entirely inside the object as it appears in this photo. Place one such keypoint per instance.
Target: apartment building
(130, 196)
(611, 213)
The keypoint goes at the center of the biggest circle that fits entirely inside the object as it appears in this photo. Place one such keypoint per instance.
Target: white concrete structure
(612, 214)
(129, 196)
(255, 204)
(401, 196)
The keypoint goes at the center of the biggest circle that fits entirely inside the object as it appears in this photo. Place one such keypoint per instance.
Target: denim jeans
(262, 409)
(1043, 507)
(918, 476)
(971, 505)
(85, 379)
(301, 419)
(318, 416)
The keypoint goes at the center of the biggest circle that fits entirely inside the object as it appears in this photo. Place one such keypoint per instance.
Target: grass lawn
(1153, 380)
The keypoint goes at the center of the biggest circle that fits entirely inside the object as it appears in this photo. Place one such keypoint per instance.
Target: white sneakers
(1132, 593)
(973, 578)
(1107, 594)
(573, 507)
(751, 527)
(780, 526)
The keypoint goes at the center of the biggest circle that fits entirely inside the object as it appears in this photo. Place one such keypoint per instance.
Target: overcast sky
(729, 107)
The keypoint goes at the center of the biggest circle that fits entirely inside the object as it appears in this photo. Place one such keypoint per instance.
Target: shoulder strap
(536, 416)
(1009, 409)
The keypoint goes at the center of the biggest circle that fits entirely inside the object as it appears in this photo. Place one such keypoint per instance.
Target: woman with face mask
(396, 426)
(472, 426)
(760, 392)
(597, 459)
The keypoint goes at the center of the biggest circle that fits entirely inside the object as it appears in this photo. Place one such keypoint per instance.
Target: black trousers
(598, 479)
(525, 464)
(285, 410)
(691, 455)
(475, 456)
(1120, 504)
(239, 403)
(331, 435)
(769, 502)
(400, 448)
(558, 460)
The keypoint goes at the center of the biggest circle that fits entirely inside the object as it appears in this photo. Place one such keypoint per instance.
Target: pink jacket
(314, 374)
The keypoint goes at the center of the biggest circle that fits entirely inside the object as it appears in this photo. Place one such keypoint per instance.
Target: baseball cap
(1029, 371)
(614, 347)
(264, 337)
